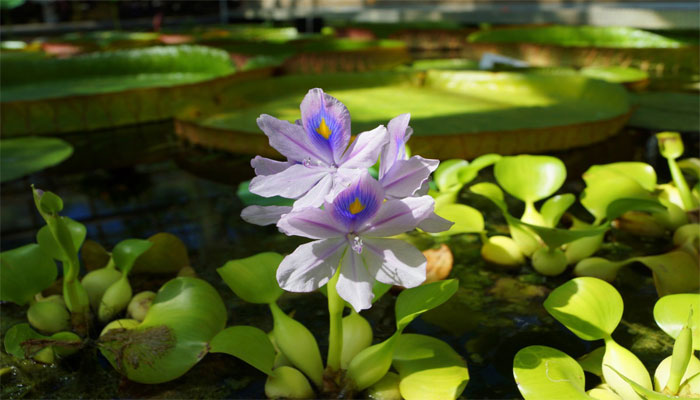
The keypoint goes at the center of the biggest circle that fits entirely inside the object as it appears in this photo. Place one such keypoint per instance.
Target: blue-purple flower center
(325, 131)
(355, 205)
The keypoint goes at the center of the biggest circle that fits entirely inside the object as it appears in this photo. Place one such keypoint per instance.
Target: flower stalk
(335, 337)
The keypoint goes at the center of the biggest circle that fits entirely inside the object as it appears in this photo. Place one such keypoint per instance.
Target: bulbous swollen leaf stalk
(115, 299)
(357, 336)
(372, 363)
(549, 261)
(97, 282)
(48, 316)
(288, 383)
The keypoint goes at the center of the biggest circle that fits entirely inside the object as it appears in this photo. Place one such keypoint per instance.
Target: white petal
(291, 183)
(317, 194)
(264, 215)
(406, 177)
(398, 216)
(394, 262)
(312, 223)
(311, 265)
(355, 283)
(267, 166)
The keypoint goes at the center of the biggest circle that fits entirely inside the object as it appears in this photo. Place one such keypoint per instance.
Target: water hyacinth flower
(321, 159)
(351, 234)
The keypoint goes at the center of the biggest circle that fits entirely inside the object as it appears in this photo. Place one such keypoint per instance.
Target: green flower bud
(670, 144)
(115, 299)
(372, 363)
(298, 345)
(583, 248)
(386, 389)
(97, 282)
(503, 251)
(357, 336)
(288, 383)
(45, 355)
(550, 262)
(48, 316)
(139, 305)
(124, 323)
(64, 351)
(682, 350)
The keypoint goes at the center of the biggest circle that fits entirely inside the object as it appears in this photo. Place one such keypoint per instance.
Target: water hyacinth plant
(351, 218)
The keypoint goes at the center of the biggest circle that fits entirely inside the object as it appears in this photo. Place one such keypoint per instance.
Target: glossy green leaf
(618, 358)
(253, 279)
(248, 343)
(371, 364)
(24, 272)
(447, 174)
(555, 237)
(674, 272)
(168, 255)
(357, 336)
(663, 371)
(589, 307)
(593, 361)
(415, 301)
(603, 392)
(601, 268)
(466, 219)
(642, 173)
(605, 185)
(17, 335)
(671, 314)
(530, 178)
(542, 372)
(288, 383)
(492, 192)
(429, 369)
(23, 156)
(49, 245)
(50, 203)
(555, 207)
(127, 251)
(691, 165)
(175, 334)
(620, 206)
(636, 390)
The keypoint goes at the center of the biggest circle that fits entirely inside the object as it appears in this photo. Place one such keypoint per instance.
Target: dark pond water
(150, 183)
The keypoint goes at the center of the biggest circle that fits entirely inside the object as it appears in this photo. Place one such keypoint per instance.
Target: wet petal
(316, 196)
(312, 223)
(326, 121)
(435, 223)
(355, 283)
(398, 216)
(406, 177)
(364, 151)
(291, 140)
(358, 203)
(394, 262)
(266, 166)
(395, 149)
(291, 183)
(311, 265)
(264, 215)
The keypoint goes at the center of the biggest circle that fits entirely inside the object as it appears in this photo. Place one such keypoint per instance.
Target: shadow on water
(147, 189)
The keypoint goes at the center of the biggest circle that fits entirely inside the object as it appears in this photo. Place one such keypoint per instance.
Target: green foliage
(248, 343)
(253, 279)
(24, 342)
(23, 156)
(543, 372)
(530, 178)
(127, 251)
(413, 302)
(24, 272)
(48, 242)
(168, 255)
(671, 314)
(429, 368)
(466, 219)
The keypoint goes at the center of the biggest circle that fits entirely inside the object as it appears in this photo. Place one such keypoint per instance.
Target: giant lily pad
(582, 46)
(102, 90)
(23, 156)
(453, 114)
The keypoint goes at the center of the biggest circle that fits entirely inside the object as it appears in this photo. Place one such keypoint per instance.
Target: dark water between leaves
(154, 186)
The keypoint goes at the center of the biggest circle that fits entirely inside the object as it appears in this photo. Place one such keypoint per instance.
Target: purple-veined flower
(321, 159)
(351, 234)
(401, 176)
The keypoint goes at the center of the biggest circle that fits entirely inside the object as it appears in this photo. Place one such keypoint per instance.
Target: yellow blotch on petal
(356, 206)
(323, 129)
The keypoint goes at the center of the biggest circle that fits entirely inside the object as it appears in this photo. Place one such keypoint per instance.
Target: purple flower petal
(291, 141)
(327, 122)
(395, 149)
(394, 262)
(435, 223)
(312, 223)
(311, 265)
(398, 216)
(342, 179)
(266, 166)
(358, 203)
(355, 283)
(264, 215)
(406, 177)
(364, 151)
(316, 196)
(290, 183)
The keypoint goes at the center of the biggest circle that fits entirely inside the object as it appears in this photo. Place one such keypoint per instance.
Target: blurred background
(141, 116)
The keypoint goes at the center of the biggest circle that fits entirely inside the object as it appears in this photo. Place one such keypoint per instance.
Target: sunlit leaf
(466, 219)
(542, 372)
(605, 185)
(254, 278)
(593, 361)
(674, 272)
(671, 314)
(24, 272)
(447, 174)
(663, 371)
(415, 301)
(492, 192)
(620, 206)
(641, 391)
(618, 358)
(555, 207)
(589, 307)
(429, 368)
(23, 156)
(530, 178)
(248, 343)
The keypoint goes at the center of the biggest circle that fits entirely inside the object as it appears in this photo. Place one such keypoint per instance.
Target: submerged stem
(335, 336)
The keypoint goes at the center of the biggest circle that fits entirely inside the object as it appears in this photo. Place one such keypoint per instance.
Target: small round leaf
(530, 178)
